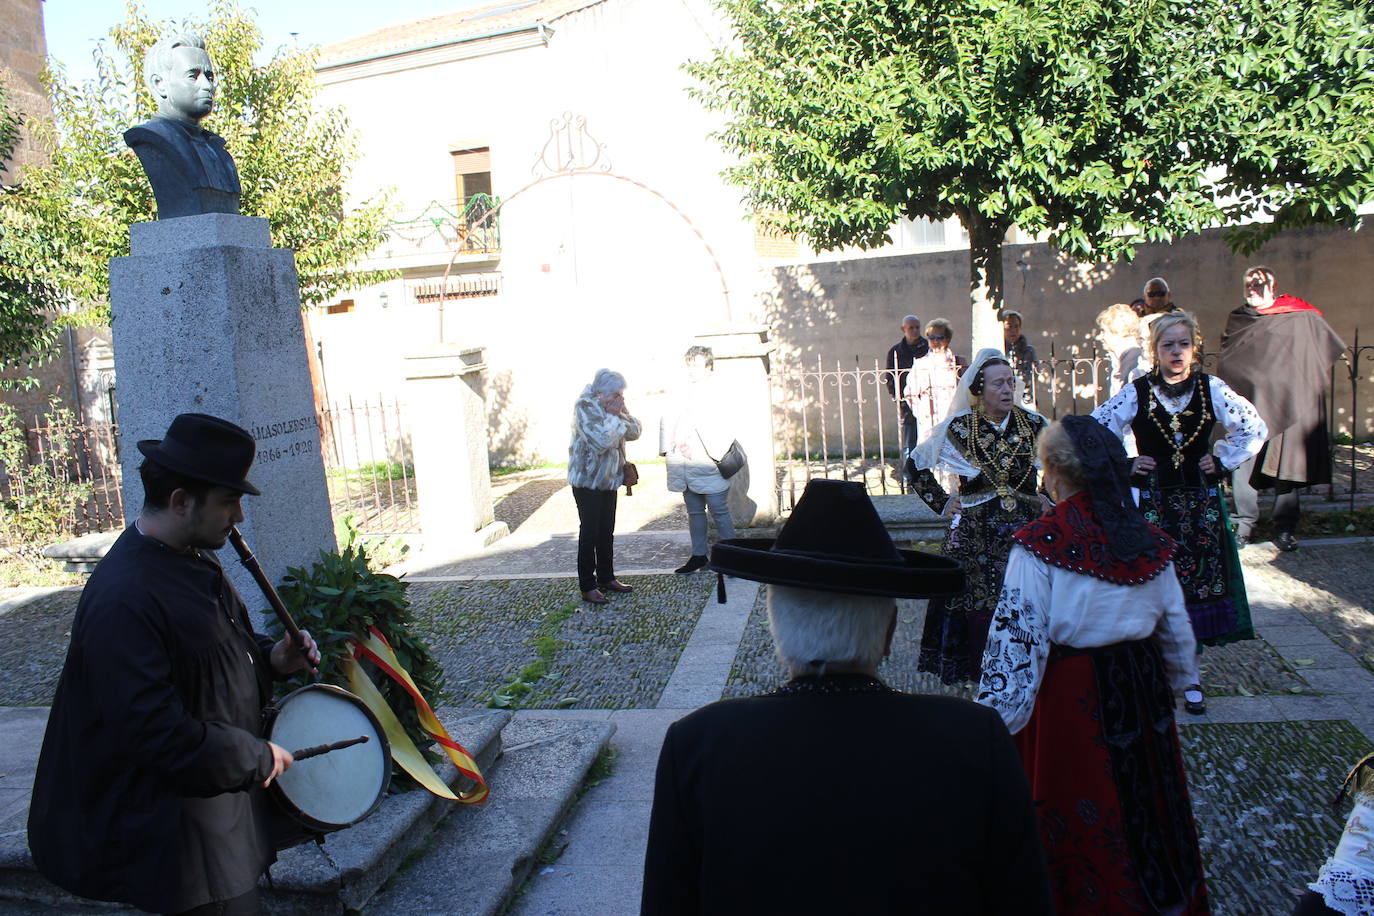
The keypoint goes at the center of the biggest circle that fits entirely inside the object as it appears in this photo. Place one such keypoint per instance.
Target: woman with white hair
(1089, 636)
(1172, 413)
(836, 793)
(596, 469)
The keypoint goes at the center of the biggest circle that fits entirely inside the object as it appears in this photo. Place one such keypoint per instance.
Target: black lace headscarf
(1107, 476)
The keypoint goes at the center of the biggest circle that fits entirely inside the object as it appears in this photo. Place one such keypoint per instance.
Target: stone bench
(81, 555)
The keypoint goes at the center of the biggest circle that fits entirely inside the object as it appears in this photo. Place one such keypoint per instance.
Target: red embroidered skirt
(1107, 777)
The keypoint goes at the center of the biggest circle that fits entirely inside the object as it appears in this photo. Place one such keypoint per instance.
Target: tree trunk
(985, 281)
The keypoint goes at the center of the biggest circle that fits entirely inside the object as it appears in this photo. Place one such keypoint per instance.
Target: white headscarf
(927, 454)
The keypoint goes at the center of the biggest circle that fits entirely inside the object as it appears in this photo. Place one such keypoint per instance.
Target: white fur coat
(596, 457)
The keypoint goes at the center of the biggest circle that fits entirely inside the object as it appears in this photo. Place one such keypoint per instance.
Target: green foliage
(536, 676)
(382, 551)
(293, 160)
(43, 499)
(1094, 121)
(338, 599)
(28, 336)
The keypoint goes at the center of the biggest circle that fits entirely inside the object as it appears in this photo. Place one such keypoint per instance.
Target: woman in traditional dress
(1089, 636)
(1172, 412)
(988, 441)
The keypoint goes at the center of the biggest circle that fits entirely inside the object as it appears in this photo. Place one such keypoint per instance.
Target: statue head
(182, 78)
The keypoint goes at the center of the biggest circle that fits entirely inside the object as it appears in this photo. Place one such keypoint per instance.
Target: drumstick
(317, 750)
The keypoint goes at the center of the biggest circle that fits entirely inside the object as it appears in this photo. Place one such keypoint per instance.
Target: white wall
(596, 271)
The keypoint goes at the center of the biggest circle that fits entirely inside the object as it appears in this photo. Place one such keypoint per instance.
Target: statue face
(187, 89)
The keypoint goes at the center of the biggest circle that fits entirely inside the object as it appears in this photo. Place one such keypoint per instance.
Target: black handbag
(729, 464)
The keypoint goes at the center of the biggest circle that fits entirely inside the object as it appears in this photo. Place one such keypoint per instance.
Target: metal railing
(841, 423)
(367, 456)
(369, 465)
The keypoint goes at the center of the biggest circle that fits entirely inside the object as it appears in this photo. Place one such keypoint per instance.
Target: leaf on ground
(1304, 661)
(1295, 688)
(566, 702)
(1240, 689)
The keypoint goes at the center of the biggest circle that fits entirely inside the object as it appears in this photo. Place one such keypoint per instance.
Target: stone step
(478, 858)
(341, 873)
(348, 868)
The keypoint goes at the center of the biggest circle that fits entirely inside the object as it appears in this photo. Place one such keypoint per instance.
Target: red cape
(1286, 303)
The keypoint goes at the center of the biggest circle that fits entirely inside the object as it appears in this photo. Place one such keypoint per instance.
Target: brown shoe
(615, 585)
(595, 597)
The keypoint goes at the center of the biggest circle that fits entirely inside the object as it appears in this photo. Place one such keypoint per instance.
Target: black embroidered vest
(1154, 432)
(1009, 449)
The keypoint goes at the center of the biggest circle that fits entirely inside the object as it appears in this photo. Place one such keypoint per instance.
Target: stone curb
(480, 857)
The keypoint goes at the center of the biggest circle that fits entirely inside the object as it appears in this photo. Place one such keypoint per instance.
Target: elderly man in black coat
(149, 783)
(835, 793)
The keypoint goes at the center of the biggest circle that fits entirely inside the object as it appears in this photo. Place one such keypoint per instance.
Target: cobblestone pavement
(616, 656)
(1261, 794)
(1247, 668)
(34, 639)
(1332, 585)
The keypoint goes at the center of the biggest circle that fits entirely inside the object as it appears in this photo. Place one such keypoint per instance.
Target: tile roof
(450, 27)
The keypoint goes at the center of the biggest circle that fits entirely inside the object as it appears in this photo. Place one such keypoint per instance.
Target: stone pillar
(448, 423)
(742, 364)
(206, 318)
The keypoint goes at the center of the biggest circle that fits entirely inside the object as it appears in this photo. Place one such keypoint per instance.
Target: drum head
(339, 788)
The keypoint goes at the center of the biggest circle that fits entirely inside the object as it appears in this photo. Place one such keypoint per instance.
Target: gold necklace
(988, 463)
(1174, 435)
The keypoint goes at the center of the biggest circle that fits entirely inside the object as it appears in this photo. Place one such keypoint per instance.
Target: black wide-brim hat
(205, 448)
(835, 542)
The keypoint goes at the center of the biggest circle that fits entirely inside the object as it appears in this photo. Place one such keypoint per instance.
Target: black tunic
(845, 797)
(147, 789)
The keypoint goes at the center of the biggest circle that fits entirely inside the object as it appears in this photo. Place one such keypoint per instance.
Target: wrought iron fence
(83, 461)
(841, 423)
(367, 457)
(369, 466)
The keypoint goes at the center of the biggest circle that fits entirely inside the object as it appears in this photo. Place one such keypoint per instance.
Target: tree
(1102, 123)
(27, 333)
(293, 160)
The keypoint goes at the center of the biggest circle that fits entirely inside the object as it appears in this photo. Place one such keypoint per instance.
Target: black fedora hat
(206, 448)
(835, 542)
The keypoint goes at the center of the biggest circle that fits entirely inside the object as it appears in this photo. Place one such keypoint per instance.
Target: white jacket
(596, 457)
(694, 427)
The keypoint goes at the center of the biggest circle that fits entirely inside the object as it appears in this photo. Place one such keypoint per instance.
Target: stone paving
(615, 656)
(1261, 795)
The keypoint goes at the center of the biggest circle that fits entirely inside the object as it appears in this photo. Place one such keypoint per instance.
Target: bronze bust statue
(190, 170)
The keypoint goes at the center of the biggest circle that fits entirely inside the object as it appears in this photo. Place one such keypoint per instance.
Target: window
(471, 173)
(340, 307)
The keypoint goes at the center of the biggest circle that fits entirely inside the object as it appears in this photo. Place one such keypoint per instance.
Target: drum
(340, 788)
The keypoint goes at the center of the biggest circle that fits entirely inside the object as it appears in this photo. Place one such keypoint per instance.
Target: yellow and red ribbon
(377, 650)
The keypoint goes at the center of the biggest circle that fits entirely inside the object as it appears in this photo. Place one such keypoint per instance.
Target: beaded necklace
(998, 467)
(1174, 434)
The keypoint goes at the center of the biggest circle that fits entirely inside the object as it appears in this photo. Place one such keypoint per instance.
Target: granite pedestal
(207, 319)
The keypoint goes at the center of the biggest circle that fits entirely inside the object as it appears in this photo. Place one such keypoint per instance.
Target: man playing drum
(149, 788)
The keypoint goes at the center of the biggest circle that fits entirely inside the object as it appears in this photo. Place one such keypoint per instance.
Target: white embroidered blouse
(1245, 431)
(1042, 604)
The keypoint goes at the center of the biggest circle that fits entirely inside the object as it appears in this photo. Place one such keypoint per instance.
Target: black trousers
(1286, 505)
(595, 533)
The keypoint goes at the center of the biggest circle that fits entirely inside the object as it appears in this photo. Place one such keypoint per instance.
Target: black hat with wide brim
(835, 542)
(205, 448)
